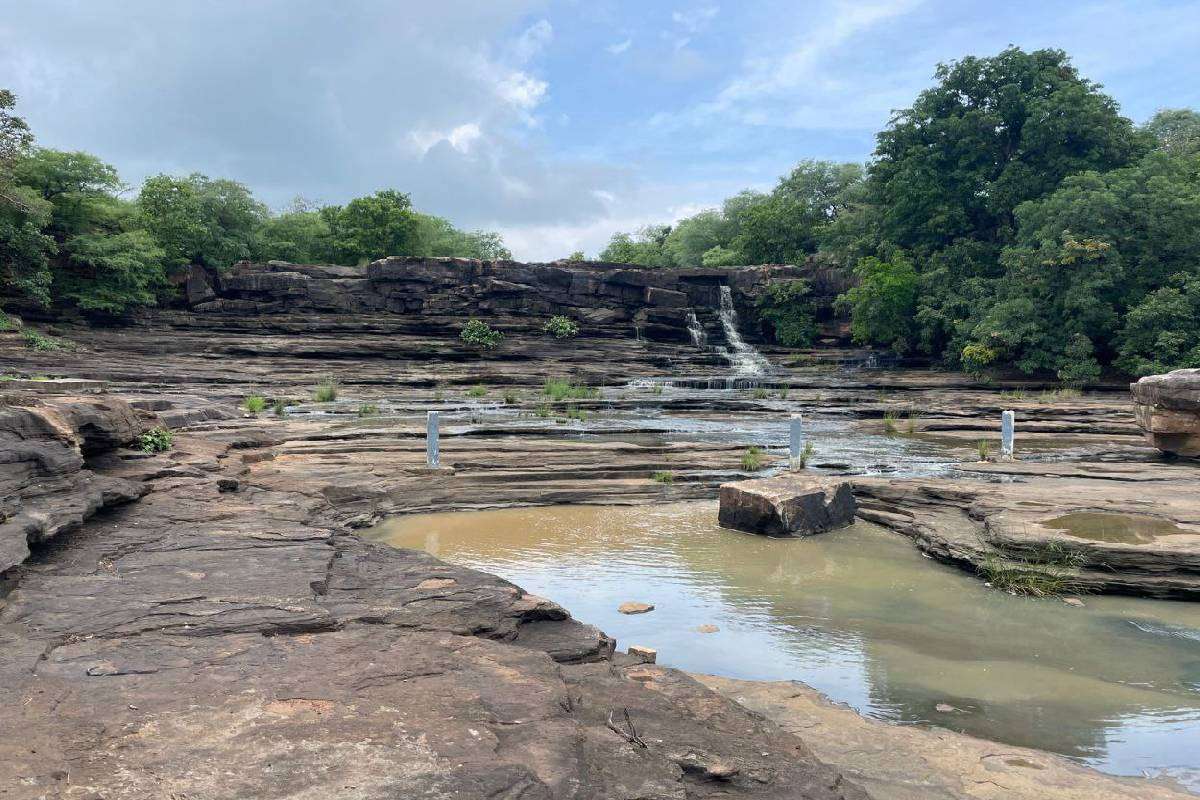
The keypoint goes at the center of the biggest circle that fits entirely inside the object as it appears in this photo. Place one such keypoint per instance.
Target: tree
(78, 185)
(15, 138)
(200, 220)
(785, 307)
(647, 248)
(693, 237)
(368, 228)
(883, 304)
(1177, 130)
(994, 133)
(1162, 332)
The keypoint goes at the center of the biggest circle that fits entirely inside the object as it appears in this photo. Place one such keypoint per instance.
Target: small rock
(707, 629)
(647, 655)
(944, 708)
(1073, 601)
(635, 608)
(227, 484)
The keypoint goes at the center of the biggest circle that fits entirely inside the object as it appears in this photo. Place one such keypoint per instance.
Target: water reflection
(862, 616)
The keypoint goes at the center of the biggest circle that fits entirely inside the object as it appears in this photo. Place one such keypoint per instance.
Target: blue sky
(556, 123)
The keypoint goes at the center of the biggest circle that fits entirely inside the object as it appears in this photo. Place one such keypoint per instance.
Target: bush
(561, 327)
(977, 357)
(478, 333)
(155, 440)
(254, 403)
(479, 390)
(327, 391)
(43, 343)
(563, 389)
(752, 459)
(368, 410)
(663, 476)
(785, 307)
(280, 406)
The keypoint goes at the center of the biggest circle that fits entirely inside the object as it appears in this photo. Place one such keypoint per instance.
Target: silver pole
(432, 455)
(797, 425)
(1007, 431)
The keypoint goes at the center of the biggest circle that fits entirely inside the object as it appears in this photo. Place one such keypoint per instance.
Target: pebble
(635, 608)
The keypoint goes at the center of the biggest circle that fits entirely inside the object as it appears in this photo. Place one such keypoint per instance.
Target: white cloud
(619, 47)
(532, 41)
(697, 19)
(460, 138)
(521, 90)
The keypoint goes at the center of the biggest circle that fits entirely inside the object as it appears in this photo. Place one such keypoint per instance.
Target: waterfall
(744, 358)
(696, 330)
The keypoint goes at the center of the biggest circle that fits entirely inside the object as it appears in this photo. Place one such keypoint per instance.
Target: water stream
(744, 359)
(862, 616)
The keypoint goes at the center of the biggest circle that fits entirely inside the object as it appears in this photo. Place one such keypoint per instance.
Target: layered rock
(46, 488)
(786, 505)
(1167, 408)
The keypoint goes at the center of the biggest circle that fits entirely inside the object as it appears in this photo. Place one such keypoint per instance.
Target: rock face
(786, 505)
(1167, 408)
(45, 486)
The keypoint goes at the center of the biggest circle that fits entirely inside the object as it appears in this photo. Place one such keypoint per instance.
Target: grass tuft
(889, 422)
(806, 453)
(563, 389)
(327, 391)
(478, 390)
(663, 476)
(254, 403)
(1048, 570)
(753, 459)
(368, 410)
(984, 449)
(280, 406)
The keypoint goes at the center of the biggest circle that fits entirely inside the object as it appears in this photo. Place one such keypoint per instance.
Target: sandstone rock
(786, 505)
(707, 629)
(633, 607)
(1167, 409)
(647, 655)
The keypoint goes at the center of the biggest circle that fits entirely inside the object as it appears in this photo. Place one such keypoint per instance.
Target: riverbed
(862, 616)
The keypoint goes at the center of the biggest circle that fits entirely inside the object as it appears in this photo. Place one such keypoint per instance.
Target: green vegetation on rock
(156, 440)
(479, 334)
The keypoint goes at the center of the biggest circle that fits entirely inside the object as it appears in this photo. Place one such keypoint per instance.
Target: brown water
(862, 616)
(1123, 528)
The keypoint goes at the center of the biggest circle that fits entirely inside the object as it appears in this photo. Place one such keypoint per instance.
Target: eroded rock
(1167, 409)
(786, 505)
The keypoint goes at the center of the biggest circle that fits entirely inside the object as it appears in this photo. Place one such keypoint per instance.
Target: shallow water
(1124, 528)
(862, 616)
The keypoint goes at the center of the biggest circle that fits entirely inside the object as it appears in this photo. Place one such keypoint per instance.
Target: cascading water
(696, 330)
(742, 356)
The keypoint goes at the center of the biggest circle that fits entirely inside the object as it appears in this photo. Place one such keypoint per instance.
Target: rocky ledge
(221, 638)
(1167, 409)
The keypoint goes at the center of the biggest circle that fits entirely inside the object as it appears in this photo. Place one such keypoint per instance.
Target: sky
(555, 123)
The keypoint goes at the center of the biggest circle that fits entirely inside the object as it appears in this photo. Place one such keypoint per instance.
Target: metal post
(797, 424)
(431, 441)
(1007, 431)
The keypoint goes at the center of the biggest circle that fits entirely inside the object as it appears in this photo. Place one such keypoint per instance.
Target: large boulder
(786, 505)
(1167, 409)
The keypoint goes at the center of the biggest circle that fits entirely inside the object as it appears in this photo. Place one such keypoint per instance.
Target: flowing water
(744, 359)
(862, 616)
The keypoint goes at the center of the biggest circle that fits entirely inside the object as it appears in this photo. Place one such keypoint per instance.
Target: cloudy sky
(553, 122)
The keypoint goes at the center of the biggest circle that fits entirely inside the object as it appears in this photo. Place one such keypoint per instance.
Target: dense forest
(69, 236)
(1011, 218)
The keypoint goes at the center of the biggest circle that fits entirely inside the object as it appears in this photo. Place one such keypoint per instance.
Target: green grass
(760, 394)
(327, 391)
(6, 322)
(983, 448)
(1048, 570)
(783, 393)
(510, 398)
(563, 389)
(806, 453)
(280, 406)
(43, 343)
(657, 389)
(889, 422)
(1065, 393)
(1013, 394)
(910, 427)
(254, 403)
(753, 459)
(663, 476)
(479, 390)
(368, 410)
(156, 440)
(577, 414)
(543, 410)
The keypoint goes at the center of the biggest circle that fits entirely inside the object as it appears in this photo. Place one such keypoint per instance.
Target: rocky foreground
(220, 638)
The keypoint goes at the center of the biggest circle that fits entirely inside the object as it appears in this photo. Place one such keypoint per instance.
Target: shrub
(254, 403)
(563, 389)
(280, 406)
(327, 391)
(43, 343)
(478, 333)
(663, 476)
(368, 410)
(806, 453)
(786, 308)
(9, 323)
(561, 327)
(984, 449)
(752, 459)
(478, 390)
(976, 358)
(155, 440)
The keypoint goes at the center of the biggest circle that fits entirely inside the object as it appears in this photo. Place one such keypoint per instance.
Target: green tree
(368, 228)
(883, 304)
(1162, 332)
(24, 249)
(646, 248)
(785, 307)
(201, 220)
(1177, 130)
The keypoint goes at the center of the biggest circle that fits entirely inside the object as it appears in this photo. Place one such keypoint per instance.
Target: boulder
(786, 505)
(1167, 409)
